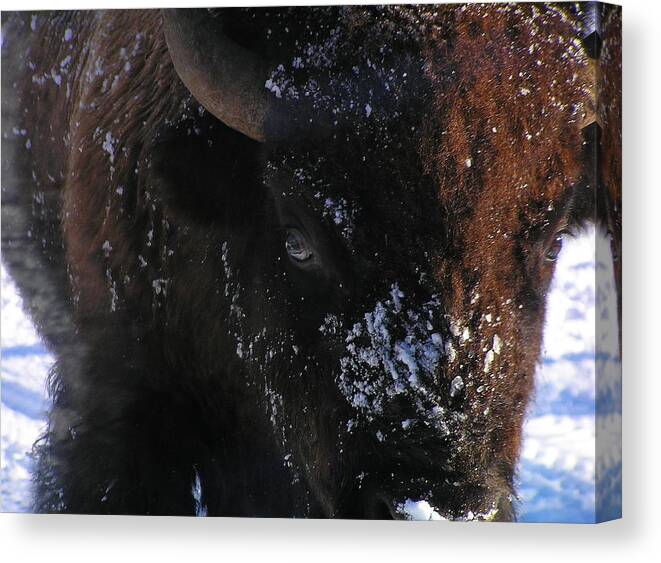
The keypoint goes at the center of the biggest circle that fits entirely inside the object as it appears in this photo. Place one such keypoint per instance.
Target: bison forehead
(490, 112)
(511, 109)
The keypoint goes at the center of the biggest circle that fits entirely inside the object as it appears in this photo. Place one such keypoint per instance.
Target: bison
(294, 261)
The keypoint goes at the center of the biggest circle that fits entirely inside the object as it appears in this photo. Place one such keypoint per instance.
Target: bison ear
(206, 173)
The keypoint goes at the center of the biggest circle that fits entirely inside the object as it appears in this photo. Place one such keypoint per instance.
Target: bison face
(380, 277)
(398, 359)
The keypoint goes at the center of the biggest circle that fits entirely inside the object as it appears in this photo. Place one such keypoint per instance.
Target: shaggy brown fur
(513, 114)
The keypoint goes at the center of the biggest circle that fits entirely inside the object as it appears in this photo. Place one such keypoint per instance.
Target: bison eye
(554, 250)
(297, 246)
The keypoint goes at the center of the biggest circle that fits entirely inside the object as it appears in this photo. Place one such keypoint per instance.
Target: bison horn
(225, 78)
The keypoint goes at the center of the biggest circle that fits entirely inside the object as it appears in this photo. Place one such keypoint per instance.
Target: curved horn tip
(225, 78)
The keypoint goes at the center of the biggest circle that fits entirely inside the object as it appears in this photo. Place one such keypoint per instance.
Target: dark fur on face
(425, 160)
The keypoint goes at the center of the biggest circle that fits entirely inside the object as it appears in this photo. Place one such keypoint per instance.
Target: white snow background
(556, 478)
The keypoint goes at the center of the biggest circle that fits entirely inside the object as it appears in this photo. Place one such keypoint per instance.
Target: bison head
(363, 217)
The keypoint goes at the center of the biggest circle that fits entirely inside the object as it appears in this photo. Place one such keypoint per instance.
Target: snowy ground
(557, 474)
(25, 363)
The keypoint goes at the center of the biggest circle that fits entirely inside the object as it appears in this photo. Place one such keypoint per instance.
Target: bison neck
(132, 432)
